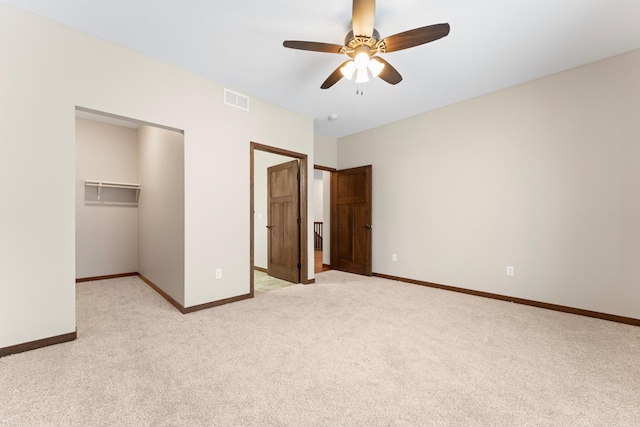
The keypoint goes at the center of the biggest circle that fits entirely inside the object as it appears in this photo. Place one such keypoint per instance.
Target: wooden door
(283, 235)
(351, 220)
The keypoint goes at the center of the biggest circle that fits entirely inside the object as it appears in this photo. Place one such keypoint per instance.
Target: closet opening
(129, 201)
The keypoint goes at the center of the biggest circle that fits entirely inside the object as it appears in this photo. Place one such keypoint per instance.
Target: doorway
(129, 201)
(271, 247)
(322, 218)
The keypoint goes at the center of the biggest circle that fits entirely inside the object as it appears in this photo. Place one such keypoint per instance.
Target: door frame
(304, 220)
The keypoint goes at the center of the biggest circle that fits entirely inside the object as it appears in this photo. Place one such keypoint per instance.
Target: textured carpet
(347, 351)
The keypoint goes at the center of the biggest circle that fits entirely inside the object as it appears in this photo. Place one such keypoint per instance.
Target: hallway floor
(262, 282)
(318, 265)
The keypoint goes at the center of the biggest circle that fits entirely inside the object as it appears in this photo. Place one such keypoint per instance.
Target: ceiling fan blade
(334, 77)
(388, 73)
(363, 18)
(415, 37)
(313, 46)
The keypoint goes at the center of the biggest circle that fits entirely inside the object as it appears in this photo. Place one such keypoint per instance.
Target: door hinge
(299, 265)
(299, 222)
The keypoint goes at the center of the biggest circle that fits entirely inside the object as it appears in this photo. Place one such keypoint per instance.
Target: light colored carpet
(347, 351)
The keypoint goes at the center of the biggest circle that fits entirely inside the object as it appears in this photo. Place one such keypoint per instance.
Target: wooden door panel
(344, 228)
(289, 236)
(275, 222)
(283, 240)
(361, 234)
(282, 183)
(351, 220)
(351, 188)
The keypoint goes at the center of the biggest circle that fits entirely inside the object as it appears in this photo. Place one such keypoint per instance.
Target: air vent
(236, 100)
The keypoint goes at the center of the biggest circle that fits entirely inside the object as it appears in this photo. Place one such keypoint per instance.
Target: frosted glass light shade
(362, 76)
(348, 69)
(375, 66)
(361, 60)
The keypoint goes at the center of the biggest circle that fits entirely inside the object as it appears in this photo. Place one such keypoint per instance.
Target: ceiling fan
(363, 43)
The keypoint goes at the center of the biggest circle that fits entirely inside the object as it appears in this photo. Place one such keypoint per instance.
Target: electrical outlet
(394, 257)
(218, 273)
(510, 270)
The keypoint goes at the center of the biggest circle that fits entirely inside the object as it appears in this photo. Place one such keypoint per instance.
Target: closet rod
(101, 184)
(111, 184)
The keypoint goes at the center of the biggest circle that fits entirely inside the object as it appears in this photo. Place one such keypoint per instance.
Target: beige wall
(325, 150)
(106, 229)
(543, 176)
(47, 70)
(161, 210)
(318, 196)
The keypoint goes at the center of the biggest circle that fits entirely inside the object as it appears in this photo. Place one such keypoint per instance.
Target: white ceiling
(493, 44)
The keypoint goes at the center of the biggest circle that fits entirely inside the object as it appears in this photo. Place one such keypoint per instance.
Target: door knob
(269, 226)
(369, 226)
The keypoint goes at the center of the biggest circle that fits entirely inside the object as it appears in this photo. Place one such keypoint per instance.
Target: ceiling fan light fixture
(363, 43)
(361, 60)
(375, 66)
(348, 70)
(362, 76)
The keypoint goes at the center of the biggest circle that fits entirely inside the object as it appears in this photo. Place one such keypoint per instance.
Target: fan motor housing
(352, 42)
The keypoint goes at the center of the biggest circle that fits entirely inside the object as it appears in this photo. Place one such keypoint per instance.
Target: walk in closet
(130, 201)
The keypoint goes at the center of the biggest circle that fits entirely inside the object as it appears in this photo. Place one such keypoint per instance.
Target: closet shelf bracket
(106, 184)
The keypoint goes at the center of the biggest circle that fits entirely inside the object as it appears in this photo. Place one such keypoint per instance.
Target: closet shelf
(100, 184)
